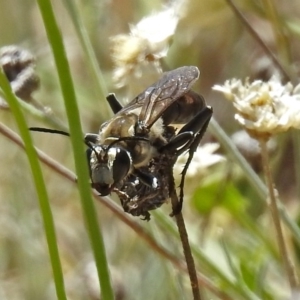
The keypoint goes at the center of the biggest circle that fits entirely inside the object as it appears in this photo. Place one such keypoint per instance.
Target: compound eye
(103, 189)
(121, 165)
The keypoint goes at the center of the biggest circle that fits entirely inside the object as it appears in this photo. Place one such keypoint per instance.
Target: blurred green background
(209, 36)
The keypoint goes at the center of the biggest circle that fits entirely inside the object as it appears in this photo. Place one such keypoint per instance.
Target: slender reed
(289, 267)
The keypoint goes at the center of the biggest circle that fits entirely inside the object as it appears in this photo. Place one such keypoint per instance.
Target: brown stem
(270, 54)
(288, 264)
(106, 201)
(184, 241)
(280, 33)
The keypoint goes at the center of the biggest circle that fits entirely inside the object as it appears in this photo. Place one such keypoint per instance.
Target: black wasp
(134, 151)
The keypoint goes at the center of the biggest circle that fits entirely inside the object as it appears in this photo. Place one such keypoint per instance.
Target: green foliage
(223, 194)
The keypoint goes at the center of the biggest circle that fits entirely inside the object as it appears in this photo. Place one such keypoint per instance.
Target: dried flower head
(263, 108)
(19, 67)
(147, 42)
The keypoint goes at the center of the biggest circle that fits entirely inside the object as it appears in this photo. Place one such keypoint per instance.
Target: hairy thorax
(141, 150)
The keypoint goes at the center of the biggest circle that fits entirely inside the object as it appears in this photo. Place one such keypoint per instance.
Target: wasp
(132, 150)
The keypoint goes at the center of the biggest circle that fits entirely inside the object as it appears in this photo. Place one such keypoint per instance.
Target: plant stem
(290, 270)
(40, 187)
(280, 33)
(184, 241)
(285, 74)
(55, 39)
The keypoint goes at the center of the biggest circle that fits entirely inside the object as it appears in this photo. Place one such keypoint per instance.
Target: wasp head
(108, 166)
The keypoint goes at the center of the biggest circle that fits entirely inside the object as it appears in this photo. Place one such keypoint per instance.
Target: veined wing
(160, 95)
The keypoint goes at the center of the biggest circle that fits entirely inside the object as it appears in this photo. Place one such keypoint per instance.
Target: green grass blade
(68, 92)
(91, 60)
(40, 187)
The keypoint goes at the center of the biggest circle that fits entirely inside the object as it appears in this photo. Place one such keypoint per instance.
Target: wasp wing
(160, 95)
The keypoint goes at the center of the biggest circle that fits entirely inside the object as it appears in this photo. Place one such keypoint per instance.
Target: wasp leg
(198, 125)
(114, 104)
(180, 140)
(146, 178)
(146, 216)
(91, 138)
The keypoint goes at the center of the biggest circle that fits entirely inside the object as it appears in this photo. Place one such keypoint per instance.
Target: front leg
(91, 138)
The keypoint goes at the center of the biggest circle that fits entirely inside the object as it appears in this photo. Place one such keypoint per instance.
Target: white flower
(147, 42)
(155, 31)
(264, 108)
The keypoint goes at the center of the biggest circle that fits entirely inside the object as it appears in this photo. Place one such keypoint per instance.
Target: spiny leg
(203, 120)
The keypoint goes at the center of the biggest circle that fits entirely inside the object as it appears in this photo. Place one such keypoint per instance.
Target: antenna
(40, 129)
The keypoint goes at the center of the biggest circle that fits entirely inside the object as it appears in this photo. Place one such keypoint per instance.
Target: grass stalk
(287, 261)
(39, 185)
(67, 87)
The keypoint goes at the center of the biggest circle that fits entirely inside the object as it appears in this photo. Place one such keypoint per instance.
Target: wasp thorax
(119, 127)
(142, 153)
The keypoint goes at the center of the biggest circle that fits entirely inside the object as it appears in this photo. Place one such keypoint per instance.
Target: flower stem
(288, 264)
